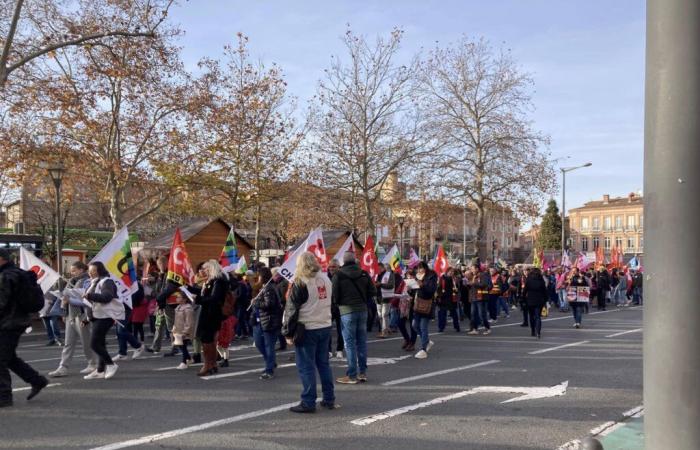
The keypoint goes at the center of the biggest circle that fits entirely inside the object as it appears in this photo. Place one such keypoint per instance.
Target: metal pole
(563, 211)
(59, 229)
(671, 184)
(464, 232)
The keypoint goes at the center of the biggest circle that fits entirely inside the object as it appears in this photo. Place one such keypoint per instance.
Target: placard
(580, 294)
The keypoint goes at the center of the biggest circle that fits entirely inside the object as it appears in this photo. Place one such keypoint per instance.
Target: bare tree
(37, 28)
(364, 123)
(478, 103)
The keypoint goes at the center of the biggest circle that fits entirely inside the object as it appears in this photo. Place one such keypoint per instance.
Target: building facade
(608, 223)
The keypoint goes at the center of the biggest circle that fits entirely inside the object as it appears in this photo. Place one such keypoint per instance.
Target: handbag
(545, 312)
(422, 305)
(299, 332)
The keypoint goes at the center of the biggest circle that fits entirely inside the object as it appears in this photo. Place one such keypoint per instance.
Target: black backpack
(29, 293)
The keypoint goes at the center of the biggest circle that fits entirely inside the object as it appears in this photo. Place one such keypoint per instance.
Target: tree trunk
(480, 230)
(258, 213)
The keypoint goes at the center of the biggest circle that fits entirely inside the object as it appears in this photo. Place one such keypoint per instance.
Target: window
(606, 243)
(608, 222)
(509, 241)
(630, 242)
(584, 223)
(619, 222)
(596, 223)
(515, 237)
(596, 243)
(641, 221)
(618, 242)
(641, 243)
(630, 222)
(584, 244)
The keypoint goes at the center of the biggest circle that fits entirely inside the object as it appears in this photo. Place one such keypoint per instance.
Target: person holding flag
(165, 312)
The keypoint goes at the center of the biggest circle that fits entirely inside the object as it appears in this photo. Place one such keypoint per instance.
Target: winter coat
(184, 321)
(12, 318)
(535, 291)
(352, 287)
(269, 309)
(102, 293)
(211, 299)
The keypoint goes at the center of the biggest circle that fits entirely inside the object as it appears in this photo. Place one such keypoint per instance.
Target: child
(183, 328)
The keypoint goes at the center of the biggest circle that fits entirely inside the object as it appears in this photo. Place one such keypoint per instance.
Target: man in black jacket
(352, 287)
(13, 321)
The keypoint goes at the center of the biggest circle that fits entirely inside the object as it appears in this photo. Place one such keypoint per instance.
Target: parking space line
(636, 330)
(439, 372)
(551, 349)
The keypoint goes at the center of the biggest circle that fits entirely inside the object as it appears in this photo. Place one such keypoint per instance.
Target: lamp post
(56, 172)
(400, 220)
(564, 170)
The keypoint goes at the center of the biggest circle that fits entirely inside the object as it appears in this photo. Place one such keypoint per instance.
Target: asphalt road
(405, 404)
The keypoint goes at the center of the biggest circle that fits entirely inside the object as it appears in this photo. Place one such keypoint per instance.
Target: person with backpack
(267, 310)
(77, 322)
(20, 296)
(352, 287)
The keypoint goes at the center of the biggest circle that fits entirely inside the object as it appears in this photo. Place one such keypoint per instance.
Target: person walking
(333, 267)
(105, 310)
(385, 284)
(165, 314)
(406, 313)
(183, 328)
(448, 299)
(577, 280)
(536, 296)
(125, 336)
(480, 286)
(211, 299)
(427, 286)
(77, 324)
(267, 309)
(50, 315)
(14, 319)
(602, 281)
(352, 287)
(637, 288)
(308, 326)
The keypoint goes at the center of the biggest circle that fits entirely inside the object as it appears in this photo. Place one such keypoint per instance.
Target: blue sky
(586, 57)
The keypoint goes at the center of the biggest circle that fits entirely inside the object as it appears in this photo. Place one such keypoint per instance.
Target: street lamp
(564, 170)
(56, 173)
(400, 220)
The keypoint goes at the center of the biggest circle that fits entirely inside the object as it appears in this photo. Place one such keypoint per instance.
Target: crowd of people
(201, 321)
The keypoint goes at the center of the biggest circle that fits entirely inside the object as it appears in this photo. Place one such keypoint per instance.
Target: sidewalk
(628, 436)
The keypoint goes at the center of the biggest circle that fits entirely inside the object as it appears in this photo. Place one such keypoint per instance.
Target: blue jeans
(637, 297)
(265, 342)
(492, 307)
(394, 318)
(479, 314)
(420, 325)
(442, 317)
(355, 337)
(577, 310)
(124, 336)
(562, 298)
(503, 305)
(312, 355)
(53, 330)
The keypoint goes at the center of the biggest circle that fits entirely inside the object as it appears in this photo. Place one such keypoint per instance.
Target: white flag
(118, 260)
(45, 275)
(348, 246)
(387, 258)
(313, 244)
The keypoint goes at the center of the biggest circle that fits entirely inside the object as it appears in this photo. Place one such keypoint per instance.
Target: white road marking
(26, 388)
(439, 372)
(531, 393)
(551, 349)
(240, 347)
(570, 317)
(605, 428)
(243, 372)
(242, 358)
(635, 412)
(195, 428)
(636, 330)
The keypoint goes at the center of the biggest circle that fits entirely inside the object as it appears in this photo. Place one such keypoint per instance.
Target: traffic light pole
(671, 188)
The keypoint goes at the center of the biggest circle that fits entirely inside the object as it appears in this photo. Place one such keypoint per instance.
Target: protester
(211, 299)
(352, 287)
(165, 314)
(385, 284)
(406, 314)
(50, 315)
(308, 326)
(536, 295)
(427, 286)
(139, 315)
(77, 324)
(637, 288)
(245, 295)
(577, 280)
(267, 310)
(183, 328)
(448, 299)
(105, 310)
(282, 286)
(333, 268)
(14, 319)
(124, 330)
(226, 330)
(602, 281)
(494, 294)
(480, 286)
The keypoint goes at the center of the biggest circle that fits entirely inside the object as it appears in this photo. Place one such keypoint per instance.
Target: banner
(585, 260)
(440, 266)
(368, 261)
(313, 244)
(348, 246)
(581, 294)
(179, 267)
(229, 259)
(413, 259)
(393, 260)
(119, 262)
(45, 275)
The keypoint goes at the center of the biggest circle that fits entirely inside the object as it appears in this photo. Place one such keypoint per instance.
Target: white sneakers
(94, 375)
(421, 354)
(182, 366)
(119, 357)
(110, 370)
(430, 345)
(339, 355)
(88, 369)
(138, 352)
(58, 373)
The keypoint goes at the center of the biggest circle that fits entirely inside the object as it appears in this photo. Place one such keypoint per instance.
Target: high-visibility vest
(496, 289)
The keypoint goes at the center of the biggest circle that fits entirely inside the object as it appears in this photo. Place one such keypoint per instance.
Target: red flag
(179, 267)
(440, 265)
(369, 261)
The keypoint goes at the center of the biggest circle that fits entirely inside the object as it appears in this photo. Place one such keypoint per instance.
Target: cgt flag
(441, 264)
(119, 262)
(348, 246)
(45, 275)
(369, 262)
(313, 244)
(229, 259)
(179, 267)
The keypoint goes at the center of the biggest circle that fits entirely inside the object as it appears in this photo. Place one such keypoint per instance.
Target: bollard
(591, 443)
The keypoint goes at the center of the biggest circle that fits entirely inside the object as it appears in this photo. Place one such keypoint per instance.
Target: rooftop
(631, 199)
